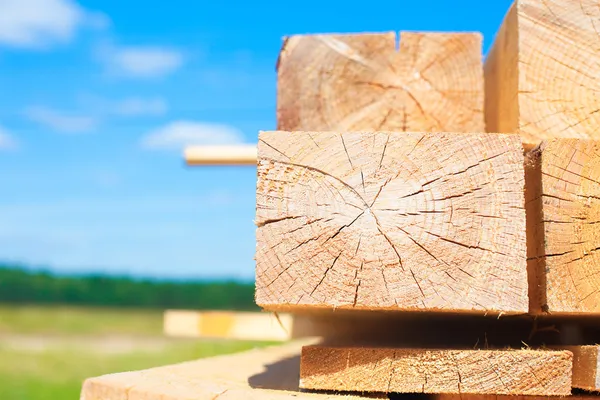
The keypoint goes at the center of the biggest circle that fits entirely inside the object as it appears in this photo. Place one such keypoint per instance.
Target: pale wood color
(563, 212)
(228, 325)
(586, 367)
(266, 374)
(432, 82)
(221, 155)
(541, 74)
(394, 221)
(510, 372)
(508, 397)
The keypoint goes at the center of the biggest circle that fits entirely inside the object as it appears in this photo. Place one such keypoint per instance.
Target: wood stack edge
(414, 179)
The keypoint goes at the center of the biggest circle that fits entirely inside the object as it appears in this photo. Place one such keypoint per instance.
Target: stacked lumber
(445, 239)
(381, 192)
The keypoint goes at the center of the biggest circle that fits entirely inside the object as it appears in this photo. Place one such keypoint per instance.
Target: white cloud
(136, 106)
(61, 122)
(7, 142)
(41, 23)
(179, 134)
(141, 61)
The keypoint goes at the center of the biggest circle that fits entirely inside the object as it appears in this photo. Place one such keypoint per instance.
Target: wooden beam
(221, 155)
(509, 372)
(563, 210)
(541, 74)
(432, 82)
(228, 325)
(586, 367)
(391, 221)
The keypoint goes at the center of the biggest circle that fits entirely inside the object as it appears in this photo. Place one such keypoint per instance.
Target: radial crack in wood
(434, 81)
(395, 221)
(509, 372)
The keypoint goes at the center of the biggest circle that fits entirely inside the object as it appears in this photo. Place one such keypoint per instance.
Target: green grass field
(47, 352)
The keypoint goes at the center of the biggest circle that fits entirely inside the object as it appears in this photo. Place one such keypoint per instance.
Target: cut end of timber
(541, 74)
(563, 215)
(501, 372)
(221, 155)
(431, 82)
(391, 221)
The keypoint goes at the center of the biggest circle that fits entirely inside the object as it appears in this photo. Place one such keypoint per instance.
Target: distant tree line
(21, 286)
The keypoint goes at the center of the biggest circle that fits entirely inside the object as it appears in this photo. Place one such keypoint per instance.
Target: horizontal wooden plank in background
(228, 325)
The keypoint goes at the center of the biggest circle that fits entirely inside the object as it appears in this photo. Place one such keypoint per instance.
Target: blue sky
(99, 98)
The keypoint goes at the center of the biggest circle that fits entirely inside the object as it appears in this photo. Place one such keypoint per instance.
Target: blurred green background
(47, 350)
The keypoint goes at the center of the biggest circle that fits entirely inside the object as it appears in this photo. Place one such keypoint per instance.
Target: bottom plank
(493, 372)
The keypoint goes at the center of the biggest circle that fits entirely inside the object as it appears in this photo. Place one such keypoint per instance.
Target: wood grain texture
(265, 374)
(563, 212)
(395, 221)
(541, 74)
(511, 372)
(433, 82)
(586, 367)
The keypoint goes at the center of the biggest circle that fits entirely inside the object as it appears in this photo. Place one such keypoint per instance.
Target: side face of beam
(566, 257)
(391, 221)
(586, 367)
(550, 48)
(501, 79)
(353, 82)
(508, 372)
